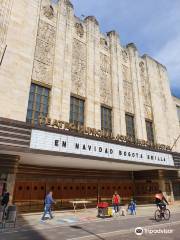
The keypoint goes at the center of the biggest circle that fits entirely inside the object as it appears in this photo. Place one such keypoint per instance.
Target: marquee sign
(43, 140)
(58, 124)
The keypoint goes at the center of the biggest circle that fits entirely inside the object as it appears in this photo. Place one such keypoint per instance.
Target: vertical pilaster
(92, 85)
(140, 127)
(114, 46)
(158, 104)
(61, 88)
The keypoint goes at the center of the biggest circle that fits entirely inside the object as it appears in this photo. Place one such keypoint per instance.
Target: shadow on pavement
(23, 230)
(85, 230)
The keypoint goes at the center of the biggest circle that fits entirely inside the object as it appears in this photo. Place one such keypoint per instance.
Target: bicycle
(162, 213)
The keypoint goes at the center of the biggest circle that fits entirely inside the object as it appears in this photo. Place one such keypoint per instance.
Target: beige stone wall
(16, 68)
(50, 46)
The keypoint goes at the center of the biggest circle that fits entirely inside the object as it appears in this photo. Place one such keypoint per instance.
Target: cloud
(152, 25)
(169, 56)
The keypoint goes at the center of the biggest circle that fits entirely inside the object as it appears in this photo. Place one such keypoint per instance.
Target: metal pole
(175, 141)
(3, 55)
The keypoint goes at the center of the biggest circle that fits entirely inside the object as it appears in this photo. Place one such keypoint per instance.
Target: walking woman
(116, 202)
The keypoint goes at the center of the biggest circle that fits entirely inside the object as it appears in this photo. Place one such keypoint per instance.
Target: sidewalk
(69, 217)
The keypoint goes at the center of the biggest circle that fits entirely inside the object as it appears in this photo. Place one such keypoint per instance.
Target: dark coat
(5, 199)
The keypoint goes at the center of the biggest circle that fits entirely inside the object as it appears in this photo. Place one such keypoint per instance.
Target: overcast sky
(154, 26)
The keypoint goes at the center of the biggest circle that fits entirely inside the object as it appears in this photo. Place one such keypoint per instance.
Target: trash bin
(103, 209)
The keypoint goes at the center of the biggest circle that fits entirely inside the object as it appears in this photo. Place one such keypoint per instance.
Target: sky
(153, 25)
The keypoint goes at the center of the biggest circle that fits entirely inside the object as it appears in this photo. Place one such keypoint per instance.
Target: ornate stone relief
(145, 91)
(148, 111)
(48, 11)
(5, 9)
(46, 32)
(44, 52)
(124, 55)
(45, 44)
(105, 80)
(79, 29)
(79, 68)
(104, 43)
(128, 97)
(128, 90)
(42, 72)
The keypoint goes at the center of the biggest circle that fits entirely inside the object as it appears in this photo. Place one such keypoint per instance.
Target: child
(132, 207)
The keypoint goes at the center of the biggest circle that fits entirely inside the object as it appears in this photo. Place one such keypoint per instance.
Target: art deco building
(80, 113)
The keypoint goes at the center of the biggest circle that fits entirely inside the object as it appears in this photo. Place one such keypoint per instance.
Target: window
(38, 103)
(106, 119)
(149, 130)
(77, 111)
(130, 132)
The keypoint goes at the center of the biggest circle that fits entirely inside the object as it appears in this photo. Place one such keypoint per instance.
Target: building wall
(52, 47)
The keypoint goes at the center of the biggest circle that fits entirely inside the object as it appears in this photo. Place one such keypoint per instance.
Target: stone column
(114, 47)
(61, 86)
(158, 103)
(92, 114)
(9, 166)
(140, 127)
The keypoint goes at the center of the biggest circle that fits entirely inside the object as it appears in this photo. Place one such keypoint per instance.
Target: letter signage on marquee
(43, 140)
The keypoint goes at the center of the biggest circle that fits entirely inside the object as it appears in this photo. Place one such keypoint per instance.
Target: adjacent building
(80, 114)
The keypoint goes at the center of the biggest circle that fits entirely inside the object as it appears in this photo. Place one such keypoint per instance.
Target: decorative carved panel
(104, 43)
(79, 68)
(145, 91)
(46, 32)
(48, 11)
(45, 45)
(148, 111)
(124, 55)
(128, 90)
(105, 80)
(44, 52)
(128, 97)
(79, 29)
(42, 72)
(5, 9)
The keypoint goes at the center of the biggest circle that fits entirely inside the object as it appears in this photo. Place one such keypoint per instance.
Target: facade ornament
(124, 55)
(79, 29)
(105, 80)
(103, 43)
(48, 11)
(141, 65)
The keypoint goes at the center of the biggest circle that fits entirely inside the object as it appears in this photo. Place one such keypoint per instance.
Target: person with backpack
(116, 202)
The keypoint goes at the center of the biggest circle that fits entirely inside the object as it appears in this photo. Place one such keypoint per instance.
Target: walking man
(47, 205)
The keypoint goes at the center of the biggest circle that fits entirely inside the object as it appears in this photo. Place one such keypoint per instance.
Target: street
(102, 229)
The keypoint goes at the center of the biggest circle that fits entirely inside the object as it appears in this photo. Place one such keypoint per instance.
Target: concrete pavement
(83, 225)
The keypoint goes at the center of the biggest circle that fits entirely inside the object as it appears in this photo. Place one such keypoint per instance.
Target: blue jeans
(116, 207)
(47, 209)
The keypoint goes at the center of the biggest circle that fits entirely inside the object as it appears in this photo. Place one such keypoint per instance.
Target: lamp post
(175, 142)
(3, 55)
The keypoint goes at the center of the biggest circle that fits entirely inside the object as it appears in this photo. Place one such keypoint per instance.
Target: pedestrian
(116, 202)
(47, 205)
(5, 199)
(132, 207)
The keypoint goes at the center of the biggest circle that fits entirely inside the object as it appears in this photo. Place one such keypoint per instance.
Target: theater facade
(80, 114)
